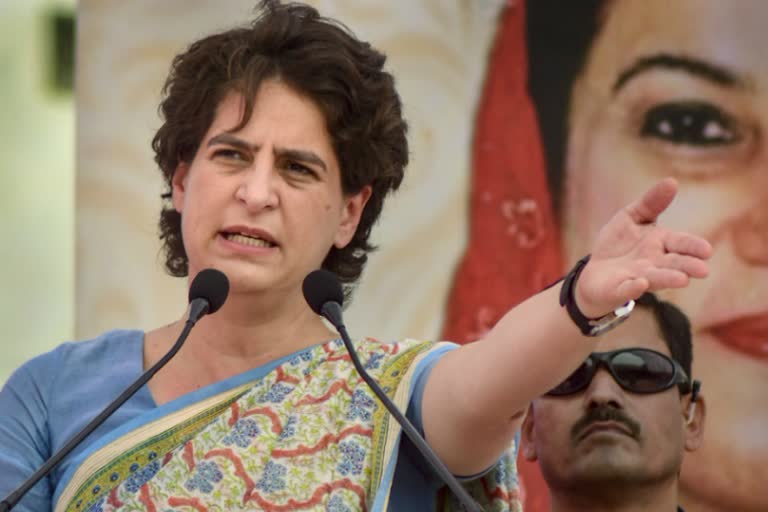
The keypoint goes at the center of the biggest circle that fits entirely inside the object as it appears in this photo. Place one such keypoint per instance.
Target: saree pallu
(304, 433)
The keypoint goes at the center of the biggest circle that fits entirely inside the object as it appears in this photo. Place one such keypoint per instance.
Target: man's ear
(528, 437)
(695, 415)
(179, 185)
(354, 205)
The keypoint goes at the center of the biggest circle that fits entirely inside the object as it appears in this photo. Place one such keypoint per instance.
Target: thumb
(631, 289)
(655, 200)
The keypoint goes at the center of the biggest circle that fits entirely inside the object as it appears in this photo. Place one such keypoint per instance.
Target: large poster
(625, 92)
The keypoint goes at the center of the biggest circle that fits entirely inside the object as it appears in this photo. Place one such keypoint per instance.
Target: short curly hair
(319, 58)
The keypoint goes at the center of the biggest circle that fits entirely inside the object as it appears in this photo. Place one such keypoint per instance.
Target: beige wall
(36, 189)
(436, 49)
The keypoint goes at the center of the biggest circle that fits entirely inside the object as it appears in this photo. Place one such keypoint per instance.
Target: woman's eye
(229, 154)
(691, 123)
(298, 168)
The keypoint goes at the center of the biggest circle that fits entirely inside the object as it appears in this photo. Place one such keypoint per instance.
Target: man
(612, 436)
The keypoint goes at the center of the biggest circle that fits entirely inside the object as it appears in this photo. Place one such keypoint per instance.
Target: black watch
(589, 326)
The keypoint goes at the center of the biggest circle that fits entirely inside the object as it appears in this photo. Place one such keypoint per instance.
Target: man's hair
(318, 58)
(675, 329)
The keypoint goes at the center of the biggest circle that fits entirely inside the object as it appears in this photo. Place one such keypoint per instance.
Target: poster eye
(690, 123)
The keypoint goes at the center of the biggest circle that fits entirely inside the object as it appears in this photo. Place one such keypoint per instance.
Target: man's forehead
(640, 330)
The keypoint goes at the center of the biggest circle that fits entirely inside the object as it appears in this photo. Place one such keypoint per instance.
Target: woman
(279, 144)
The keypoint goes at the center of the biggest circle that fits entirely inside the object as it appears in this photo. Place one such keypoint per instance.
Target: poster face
(627, 92)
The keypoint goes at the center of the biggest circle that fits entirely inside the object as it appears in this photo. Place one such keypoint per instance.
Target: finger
(646, 209)
(689, 265)
(663, 278)
(684, 243)
(631, 289)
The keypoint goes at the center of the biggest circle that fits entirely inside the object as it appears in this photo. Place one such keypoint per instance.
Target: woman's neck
(241, 336)
(248, 334)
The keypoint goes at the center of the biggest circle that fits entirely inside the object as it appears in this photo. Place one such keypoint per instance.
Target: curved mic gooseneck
(207, 294)
(324, 295)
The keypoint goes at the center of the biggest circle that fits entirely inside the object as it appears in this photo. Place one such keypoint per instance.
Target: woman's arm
(475, 396)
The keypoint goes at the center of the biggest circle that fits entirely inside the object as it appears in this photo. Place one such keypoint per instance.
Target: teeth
(248, 240)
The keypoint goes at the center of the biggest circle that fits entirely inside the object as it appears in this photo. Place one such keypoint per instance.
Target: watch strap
(589, 326)
(567, 299)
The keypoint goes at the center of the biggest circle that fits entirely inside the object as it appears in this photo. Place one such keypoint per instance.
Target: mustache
(605, 413)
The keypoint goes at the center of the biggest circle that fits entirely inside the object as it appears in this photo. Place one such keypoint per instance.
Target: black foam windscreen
(321, 286)
(212, 285)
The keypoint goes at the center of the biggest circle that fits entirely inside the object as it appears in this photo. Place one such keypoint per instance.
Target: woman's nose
(257, 189)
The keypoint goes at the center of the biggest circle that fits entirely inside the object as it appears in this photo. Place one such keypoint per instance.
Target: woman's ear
(179, 185)
(350, 216)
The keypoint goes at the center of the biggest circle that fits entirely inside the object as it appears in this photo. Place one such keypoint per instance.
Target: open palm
(632, 255)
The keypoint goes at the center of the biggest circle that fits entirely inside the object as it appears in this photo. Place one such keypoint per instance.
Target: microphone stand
(331, 310)
(198, 307)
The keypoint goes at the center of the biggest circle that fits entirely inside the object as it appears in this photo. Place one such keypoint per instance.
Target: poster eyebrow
(700, 68)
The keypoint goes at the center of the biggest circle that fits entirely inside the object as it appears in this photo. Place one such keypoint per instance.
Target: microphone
(207, 294)
(324, 295)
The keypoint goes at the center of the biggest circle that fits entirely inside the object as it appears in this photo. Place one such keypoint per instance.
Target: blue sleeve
(408, 449)
(417, 395)
(24, 438)
(412, 467)
(414, 483)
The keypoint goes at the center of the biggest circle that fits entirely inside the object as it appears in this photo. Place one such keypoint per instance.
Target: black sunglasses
(639, 370)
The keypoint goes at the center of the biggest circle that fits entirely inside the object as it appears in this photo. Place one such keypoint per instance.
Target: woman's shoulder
(400, 354)
(404, 345)
(69, 370)
(85, 355)
(110, 345)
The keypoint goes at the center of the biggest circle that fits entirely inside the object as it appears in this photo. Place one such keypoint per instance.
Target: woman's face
(264, 203)
(681, 89)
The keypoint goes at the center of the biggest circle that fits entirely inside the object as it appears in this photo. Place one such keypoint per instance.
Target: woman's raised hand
(632, 255)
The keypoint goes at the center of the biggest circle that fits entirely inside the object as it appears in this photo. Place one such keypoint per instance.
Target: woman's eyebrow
(301, 155)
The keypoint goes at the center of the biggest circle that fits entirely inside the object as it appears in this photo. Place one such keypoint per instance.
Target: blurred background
(37, 145)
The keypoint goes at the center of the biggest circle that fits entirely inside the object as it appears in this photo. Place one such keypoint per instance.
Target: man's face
(605, 434)
(681, 89)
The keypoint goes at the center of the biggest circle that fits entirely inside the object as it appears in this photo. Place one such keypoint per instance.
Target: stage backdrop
(528, 128)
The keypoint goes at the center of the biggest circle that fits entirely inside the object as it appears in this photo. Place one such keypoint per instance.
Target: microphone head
(211, 285)
(320, 287)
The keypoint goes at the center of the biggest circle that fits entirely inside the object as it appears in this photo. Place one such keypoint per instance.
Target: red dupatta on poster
(514, 248)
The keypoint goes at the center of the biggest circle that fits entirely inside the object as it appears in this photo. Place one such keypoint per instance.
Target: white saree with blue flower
(304, 433)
